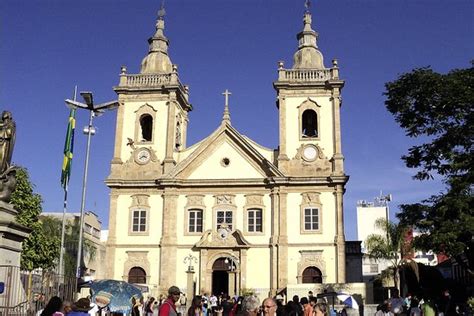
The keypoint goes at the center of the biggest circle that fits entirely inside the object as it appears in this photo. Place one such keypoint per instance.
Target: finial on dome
(157, 60)
(226, 116)
(307, 5)
(308, 56)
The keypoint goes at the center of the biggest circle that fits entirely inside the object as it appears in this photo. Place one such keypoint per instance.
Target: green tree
(437, 109)
(53, 227)
(391, 245)
(40, 249)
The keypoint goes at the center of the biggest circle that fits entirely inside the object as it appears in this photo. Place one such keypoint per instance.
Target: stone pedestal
(190, 286)
(11, 236)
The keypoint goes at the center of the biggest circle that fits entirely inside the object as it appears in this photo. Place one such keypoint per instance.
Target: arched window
(137, 275)
(312, 275)
(309, 125)
(146, 126)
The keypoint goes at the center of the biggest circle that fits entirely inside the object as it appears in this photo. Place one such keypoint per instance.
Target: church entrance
(220, 282)
(220, 276)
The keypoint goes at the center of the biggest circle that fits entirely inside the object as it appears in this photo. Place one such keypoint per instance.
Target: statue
(7, 141)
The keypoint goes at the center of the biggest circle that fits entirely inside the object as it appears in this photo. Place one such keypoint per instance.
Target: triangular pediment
(225, 154)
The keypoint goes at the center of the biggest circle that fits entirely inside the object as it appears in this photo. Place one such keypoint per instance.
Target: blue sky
(50, 46)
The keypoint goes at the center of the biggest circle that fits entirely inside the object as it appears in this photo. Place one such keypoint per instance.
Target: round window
(225, 162)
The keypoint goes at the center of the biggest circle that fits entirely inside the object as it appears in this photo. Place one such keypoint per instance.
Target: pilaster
(118, 134)
(169, 161)
(112, 238)
(339, 238)
(338, 158)
(168, 251)
(282, 155)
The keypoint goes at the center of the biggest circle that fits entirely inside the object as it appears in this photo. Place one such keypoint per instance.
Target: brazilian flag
(68, 149)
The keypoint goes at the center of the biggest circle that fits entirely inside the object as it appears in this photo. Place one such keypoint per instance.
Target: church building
(227, 214)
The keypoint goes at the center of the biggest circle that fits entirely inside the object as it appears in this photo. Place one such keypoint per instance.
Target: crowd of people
(176, 304)
(223, 305)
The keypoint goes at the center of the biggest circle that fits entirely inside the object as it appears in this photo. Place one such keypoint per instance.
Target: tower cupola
(157, 60)
(308, 55)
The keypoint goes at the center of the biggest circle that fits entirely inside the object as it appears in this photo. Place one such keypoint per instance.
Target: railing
(27, 292)
(148, 80)
(304, 75)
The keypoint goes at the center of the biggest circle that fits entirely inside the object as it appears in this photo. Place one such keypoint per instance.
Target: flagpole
(61, 256)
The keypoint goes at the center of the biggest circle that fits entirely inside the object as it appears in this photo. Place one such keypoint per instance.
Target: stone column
(338, 158)
(340, 239)
(112, 238)
(168, 240)
(169, 162)
(282, 156)
(190, 286)
(119, 134)
(282, 241)
(232, 283)
(242, 276)
(279, 241)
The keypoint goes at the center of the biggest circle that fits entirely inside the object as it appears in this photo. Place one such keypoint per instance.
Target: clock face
(223, 233)
(142, 156)
(310, 153)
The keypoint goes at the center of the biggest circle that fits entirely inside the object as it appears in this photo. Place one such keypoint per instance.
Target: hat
(174, 290)
(82, 305)
(279, 297)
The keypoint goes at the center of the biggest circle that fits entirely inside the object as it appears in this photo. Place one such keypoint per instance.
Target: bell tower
(309, 101)
(153, 117)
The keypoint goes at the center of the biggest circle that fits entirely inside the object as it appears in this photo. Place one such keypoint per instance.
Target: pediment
(225, 154)
(212, 239)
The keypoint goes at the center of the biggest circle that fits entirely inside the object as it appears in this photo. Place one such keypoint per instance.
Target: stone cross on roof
(226, 116)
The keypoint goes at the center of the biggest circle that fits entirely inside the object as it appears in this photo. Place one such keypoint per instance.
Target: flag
(68, 149)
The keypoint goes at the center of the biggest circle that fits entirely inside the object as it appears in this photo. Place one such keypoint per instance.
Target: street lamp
(190, 258)
(89, 131)
(231, 261)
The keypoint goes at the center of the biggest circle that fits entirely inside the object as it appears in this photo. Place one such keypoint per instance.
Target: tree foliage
(391, 245)
(437, 109)
(40, 249)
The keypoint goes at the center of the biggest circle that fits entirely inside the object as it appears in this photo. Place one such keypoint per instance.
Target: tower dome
(157, 60)
(308, 55)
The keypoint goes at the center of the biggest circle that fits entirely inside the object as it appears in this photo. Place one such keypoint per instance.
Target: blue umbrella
(116, 295)
(348, 300)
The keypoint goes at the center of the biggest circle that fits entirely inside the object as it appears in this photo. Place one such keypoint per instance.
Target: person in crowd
(227, 304)
(196, 307)
(81, 307)
(149, 306)
(135, 307)
(290, 309)
(250, 306)
(213, 301)
(414, 309)
(280, 307)
(385, 309)
(396, 302)
(298, 308)
(183, 300)
(428, 308)
(67, 307)
(168, 308)
(318, 310)
(269, 307)
(310, 295)
(307, 309)
(53, 308)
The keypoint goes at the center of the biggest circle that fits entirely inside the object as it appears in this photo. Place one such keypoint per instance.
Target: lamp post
(89, 131)
(232, 273)
(190, 259)
(190, 275)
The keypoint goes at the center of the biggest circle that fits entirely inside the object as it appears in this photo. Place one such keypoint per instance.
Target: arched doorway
(312, 275)
(137, 275)
(222, 270)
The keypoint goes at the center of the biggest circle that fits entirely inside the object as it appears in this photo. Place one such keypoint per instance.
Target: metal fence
(26, 292)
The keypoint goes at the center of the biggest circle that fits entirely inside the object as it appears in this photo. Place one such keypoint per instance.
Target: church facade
(231, 213)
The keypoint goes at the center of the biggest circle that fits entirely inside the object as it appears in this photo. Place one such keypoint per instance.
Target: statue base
(12, 235)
